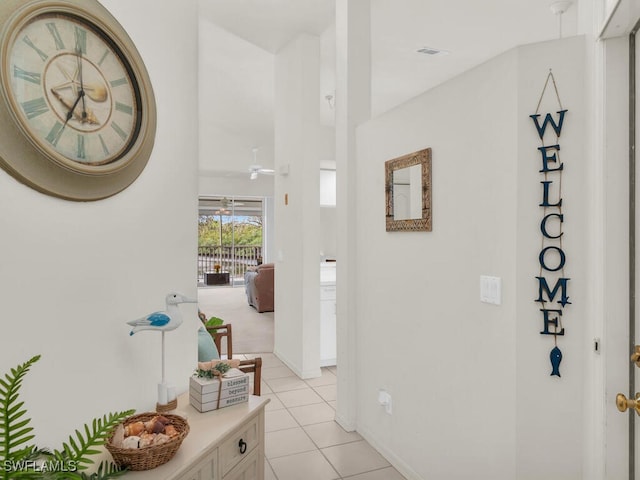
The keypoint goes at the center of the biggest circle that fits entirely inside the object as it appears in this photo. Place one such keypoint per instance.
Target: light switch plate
(491, 290)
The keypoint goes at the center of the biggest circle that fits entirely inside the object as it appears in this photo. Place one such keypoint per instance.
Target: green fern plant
(21, 460)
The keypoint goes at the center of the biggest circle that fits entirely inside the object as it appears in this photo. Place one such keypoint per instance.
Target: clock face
(72, 92)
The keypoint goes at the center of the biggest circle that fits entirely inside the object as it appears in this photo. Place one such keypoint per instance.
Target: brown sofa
(259, 286)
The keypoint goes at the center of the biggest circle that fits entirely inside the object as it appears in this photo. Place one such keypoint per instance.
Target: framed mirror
(408, 192)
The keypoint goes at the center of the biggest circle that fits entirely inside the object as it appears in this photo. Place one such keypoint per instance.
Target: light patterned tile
(329, 393)
(277, 372)
(254, 355)
(268, 359)
(328, 434)
(274, 402)
(287, 442)
(268, 471)
(313, 464)
(353, 458)
(326, 378)
(264, 388)
(285, 384)
(278, 420)
(389, 473)
(314, 413)
(297, 398)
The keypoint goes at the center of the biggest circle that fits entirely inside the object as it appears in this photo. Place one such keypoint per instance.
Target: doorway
(230, 239)
(621, 326)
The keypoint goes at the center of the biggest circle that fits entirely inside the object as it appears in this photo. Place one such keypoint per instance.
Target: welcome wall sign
(552, 281)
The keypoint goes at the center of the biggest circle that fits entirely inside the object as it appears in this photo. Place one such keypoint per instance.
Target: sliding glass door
(230, 239)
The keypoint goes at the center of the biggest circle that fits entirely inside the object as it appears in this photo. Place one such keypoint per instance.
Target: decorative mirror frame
(421, 157)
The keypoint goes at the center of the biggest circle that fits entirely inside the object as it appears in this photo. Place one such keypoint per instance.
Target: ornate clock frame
(19, 153)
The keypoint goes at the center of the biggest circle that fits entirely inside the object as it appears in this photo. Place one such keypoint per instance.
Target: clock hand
(81, 93)
(70, 113)
(91, 118)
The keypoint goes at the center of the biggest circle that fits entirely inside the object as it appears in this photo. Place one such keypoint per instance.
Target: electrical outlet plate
(491, 290)
(384, 399)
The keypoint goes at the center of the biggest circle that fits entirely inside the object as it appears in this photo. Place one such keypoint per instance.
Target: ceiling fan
(226, 203)
(255, 169)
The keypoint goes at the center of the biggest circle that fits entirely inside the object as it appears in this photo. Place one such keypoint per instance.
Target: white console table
(225, 444)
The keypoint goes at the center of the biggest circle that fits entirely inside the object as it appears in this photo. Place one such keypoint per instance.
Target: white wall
(551, 408)
(73, 273)
(472, 394)
(298, 145)
(614, 321)
(328, 233)
(244, 91)
(216, 183)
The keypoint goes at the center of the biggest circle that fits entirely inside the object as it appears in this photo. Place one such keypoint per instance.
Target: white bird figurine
(162, 321)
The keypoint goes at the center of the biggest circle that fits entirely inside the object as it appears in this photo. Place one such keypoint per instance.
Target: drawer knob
(242, 445)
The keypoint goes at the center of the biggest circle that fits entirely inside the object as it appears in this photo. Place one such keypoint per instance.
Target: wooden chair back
(253, 365)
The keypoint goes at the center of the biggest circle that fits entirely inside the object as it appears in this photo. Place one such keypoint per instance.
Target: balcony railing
(232, 260)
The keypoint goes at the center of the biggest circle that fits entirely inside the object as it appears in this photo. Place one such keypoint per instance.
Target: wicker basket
(146, 458)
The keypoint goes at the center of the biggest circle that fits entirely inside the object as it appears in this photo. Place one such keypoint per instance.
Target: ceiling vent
(432, 51)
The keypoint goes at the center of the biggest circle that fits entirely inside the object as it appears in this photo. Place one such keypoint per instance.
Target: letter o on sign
(543, 255)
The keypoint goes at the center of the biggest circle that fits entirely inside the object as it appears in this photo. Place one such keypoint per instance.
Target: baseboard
(315, 373)
(405, 470)
(396, 462)
(346, 425)
(328, 362)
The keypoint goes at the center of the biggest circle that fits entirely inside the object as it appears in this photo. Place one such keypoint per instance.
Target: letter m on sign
(557, 127)
(543, 289)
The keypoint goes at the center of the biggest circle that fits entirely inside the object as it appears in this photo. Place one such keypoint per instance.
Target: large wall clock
(78, 116)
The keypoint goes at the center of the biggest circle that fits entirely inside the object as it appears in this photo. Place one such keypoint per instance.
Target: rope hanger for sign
(555, 87)
(552, 317)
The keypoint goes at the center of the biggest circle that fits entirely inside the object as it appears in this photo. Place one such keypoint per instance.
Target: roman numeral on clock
(35, 107)
(32, 77)
(118, 82)
(55, 133)
(104, 145)
(82, 154)
(121, 133)
(40, 53)
(104, 56)
(121, 107)
(81, 39)
(53, 30)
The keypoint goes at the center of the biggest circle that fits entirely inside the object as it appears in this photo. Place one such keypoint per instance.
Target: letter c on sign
(543, 225)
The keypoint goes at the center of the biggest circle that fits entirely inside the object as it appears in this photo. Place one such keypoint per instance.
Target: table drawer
(247, 469)
(204, 469)
(239, 445)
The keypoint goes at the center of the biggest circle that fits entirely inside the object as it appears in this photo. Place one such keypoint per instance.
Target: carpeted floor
(252, 331)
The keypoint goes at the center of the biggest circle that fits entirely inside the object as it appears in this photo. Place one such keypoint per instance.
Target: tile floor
(302, 442)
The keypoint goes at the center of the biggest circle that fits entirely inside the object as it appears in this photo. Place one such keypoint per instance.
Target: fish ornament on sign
(551, 280)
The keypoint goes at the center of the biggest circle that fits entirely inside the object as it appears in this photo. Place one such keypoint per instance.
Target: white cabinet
(327, 325)
(248, 469)
(242, 442)
(224, 444)
(327, 314)
(203, 470)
